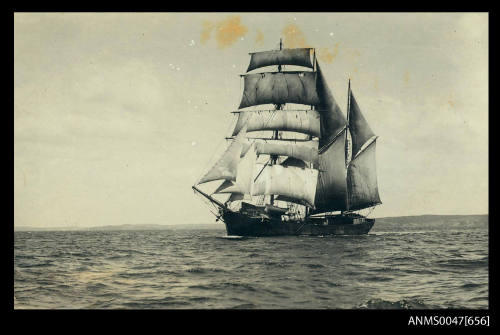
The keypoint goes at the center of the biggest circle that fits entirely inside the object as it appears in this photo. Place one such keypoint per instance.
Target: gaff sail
(359, 128)
(362, 180)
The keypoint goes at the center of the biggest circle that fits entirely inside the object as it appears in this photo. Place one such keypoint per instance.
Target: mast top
(281, 47)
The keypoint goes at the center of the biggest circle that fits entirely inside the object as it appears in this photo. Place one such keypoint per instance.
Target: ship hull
(244, 225)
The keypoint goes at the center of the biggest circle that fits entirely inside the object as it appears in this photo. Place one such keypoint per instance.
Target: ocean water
(203, 269)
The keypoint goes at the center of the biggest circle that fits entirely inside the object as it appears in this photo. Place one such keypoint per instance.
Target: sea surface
(204, 269)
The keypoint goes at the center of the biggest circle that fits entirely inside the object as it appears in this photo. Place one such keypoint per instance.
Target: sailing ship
(300, 167)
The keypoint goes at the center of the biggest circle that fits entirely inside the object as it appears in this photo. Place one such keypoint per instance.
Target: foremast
(292, 179)
(273, 157)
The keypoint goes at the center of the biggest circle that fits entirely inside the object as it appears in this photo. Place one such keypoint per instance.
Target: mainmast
(312, 108)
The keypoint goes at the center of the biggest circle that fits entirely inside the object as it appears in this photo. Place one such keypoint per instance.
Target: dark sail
(300, 57)
(359, 128)
(332, 119)
(279, 88)
(331, 186)
(301, 121)
(290, 161)
(362, 180)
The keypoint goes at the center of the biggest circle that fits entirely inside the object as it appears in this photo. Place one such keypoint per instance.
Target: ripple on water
(198, 269)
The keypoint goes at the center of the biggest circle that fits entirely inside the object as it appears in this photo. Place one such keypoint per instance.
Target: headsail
(226, 166)
(228, 186)
(279, 88)
(359, 128)
(299, 57)
(244, 175)
(235, 197)
(362, 179)
(301, 121)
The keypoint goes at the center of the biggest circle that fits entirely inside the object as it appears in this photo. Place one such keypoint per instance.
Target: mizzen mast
(347, 138)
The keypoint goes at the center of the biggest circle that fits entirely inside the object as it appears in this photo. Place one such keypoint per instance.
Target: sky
(116, 115)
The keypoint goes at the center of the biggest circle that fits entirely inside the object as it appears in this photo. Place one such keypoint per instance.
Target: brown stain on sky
(406, 77)
(295, 38)
(451, 101)
(328, 56)
(206, 32)
(227, 31)
(259, 39)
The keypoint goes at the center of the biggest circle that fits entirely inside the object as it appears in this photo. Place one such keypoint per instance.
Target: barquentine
(315, 168)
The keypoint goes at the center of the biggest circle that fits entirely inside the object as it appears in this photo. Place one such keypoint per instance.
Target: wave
(464, 263)
(378, 279)
(148, 274)
(247, 305)
(315, 266)
(233, 237)
(472, 285)
(202, 269)
(410, 303)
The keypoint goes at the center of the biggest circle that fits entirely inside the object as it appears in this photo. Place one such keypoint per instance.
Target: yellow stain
(328, 56)
(227, 31)
(293, 37)
(406, 77)
(259, 39)
(206, 32)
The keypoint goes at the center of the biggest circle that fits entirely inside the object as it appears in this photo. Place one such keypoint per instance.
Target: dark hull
(244, 225)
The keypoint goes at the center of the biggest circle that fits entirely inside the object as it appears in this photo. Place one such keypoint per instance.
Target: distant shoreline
(453, 220)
